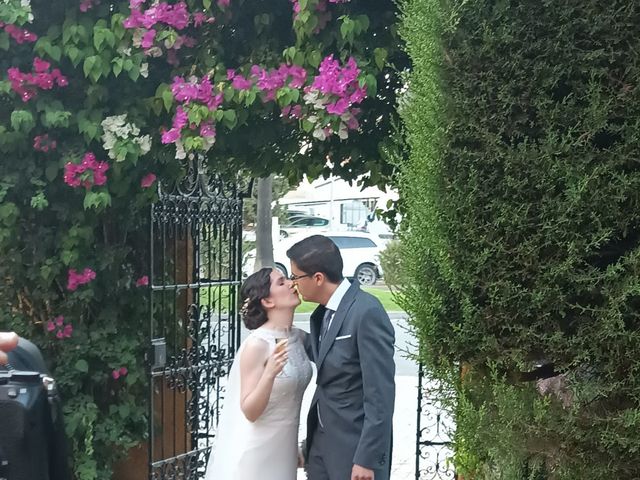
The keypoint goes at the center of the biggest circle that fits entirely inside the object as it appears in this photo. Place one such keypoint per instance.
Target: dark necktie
(326, 320)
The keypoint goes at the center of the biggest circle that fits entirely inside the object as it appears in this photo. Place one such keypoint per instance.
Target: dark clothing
(33, 440)
(350, 419)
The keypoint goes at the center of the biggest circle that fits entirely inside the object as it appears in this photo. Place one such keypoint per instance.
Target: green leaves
(163, 92)
(82, 366)
(90, 63)
(89, 123)
(96, 66)
(8, 213)
(22, 121)
(351, 28)
(371, 83)
(229, 119)
(39, 201)
(44, 47)
(287, 96)
(380, 57)
(96, 200)
(55, 118)
(103, 36)
(314, 57)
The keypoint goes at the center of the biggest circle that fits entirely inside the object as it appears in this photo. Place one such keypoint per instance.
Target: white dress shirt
(336, 298)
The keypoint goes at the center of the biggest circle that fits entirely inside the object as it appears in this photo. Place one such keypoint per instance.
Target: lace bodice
(290, 384)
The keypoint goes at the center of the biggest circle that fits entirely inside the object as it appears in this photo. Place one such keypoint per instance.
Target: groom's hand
(361, 473)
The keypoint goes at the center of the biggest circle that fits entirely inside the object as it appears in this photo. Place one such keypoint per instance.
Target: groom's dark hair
(318, 254)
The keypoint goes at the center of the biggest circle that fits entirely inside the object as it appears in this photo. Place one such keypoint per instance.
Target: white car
(299, 224)
(360, 255)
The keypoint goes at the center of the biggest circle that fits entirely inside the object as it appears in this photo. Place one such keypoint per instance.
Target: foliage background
(522, 229)
(47, 227)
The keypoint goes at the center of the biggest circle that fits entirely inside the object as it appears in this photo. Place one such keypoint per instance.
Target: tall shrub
(522, 237)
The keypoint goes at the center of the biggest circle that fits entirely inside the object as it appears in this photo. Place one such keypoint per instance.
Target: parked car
(360, 255)
(302, 223)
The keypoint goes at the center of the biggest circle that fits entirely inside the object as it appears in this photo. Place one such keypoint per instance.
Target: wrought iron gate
(196, 269)
(433, 434)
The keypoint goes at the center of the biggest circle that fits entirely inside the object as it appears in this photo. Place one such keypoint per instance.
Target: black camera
(32, 440)
(25, 404)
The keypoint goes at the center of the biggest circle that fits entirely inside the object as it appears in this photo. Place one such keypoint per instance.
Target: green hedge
(522, 232)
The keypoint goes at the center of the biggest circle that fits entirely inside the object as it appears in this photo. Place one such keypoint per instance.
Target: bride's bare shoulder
(254, 349)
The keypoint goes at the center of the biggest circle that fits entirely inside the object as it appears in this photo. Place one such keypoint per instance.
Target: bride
(257, 436)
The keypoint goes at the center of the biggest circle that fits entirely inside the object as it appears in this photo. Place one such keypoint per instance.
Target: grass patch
(381, 293)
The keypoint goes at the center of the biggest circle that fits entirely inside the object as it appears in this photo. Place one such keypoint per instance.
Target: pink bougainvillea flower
(170, 136)
(174, 15)
(148, 38)
(352, 122)
(207, 130)
(223, 3)
(147, 180)
(124, 371)
(292, 111)
(200, 18)
(87, 173)
(58, 326)
(115, 374)
(241, 83)
(40, 66)
(142, 281)
(42, 143)
(76, 279)
(338, 107)
(20, 35)
(26, 84)
(86, 5)
(67, 330)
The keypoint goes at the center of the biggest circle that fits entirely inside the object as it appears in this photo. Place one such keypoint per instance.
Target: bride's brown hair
(256, 287)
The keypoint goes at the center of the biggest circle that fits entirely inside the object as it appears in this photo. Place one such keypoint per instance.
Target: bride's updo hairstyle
(256, 287)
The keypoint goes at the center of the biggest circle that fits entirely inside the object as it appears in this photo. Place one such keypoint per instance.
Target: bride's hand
(277, 360)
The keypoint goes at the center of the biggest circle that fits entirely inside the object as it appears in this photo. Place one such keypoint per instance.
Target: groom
(351, 343)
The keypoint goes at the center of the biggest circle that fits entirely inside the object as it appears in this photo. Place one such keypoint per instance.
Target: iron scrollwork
(433, 436)
(196, 239)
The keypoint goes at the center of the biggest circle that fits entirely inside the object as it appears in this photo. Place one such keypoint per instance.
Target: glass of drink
(283, 336)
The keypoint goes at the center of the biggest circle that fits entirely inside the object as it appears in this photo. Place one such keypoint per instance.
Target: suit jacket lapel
(336, 323)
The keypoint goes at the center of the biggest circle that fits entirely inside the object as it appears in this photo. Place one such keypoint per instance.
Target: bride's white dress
(266, 449)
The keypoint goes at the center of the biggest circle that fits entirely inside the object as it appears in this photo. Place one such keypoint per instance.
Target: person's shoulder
(367, 300)
(254, 348)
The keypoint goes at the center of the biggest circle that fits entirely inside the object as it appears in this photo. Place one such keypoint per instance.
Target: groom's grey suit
(350, 418)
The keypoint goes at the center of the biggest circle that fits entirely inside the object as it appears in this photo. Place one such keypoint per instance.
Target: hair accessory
(244, 310)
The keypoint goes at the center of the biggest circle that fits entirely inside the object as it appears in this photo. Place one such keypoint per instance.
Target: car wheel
(282, 269)
(366, 275)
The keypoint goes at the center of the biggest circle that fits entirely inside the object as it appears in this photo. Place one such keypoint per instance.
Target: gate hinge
(158, 353)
